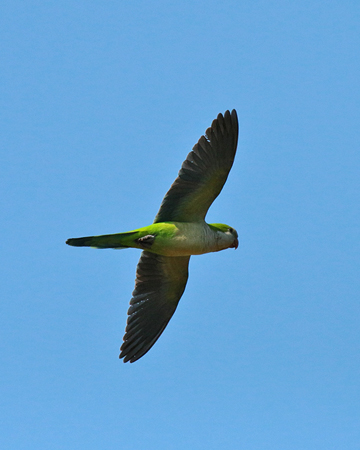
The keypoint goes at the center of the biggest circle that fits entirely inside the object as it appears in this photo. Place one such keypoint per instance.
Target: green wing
(160, 283)
(203, 173)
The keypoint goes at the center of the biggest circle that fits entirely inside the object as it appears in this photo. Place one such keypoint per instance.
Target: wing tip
(232, 117)
(132, 350)
(225, 124)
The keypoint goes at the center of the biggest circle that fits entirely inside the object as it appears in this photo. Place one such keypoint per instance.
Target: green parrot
(179, 231)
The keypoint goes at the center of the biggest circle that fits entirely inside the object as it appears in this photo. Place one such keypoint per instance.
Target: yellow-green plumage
(165, 238)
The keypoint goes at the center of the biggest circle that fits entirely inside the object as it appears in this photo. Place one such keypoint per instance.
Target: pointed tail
(119, 240)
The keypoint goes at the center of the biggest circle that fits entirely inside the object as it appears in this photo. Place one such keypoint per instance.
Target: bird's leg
(146, 241)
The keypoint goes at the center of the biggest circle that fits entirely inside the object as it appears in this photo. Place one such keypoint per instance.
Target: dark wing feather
(160, 283)
(203, 173)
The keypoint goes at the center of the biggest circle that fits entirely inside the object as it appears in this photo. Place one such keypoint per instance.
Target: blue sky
(100, 103)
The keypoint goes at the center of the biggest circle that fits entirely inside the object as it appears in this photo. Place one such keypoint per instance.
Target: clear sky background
(100, 103)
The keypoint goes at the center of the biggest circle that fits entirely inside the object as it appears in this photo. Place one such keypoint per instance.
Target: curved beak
(235, 244)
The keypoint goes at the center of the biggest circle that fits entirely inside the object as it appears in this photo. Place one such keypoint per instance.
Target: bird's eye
(231, 229)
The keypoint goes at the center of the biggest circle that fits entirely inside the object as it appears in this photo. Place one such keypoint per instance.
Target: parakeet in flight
(179, 231)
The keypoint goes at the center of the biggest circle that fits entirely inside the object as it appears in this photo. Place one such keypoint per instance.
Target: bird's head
(230, 233)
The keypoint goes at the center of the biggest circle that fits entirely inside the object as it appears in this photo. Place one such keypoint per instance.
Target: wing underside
(203, 173)
(160, 283)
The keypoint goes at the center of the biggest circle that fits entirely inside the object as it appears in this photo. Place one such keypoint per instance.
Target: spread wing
(160, 283)
(203, 173)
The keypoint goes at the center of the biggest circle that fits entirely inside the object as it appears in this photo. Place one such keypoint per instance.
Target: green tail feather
(119, 240)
